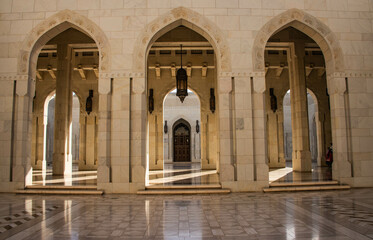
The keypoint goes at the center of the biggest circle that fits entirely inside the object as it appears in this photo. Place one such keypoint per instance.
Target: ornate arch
(307, 24)
(191, 19)
(51, 27)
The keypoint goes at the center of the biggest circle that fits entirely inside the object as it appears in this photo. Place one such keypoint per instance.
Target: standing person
(329, 156)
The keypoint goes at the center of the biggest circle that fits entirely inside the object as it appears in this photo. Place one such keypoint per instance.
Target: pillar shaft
(62, 162)
(299, 109)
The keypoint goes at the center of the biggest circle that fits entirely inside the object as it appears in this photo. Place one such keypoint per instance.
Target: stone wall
(238, 30)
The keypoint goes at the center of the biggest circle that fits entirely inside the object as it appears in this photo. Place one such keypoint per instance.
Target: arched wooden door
(181, 136)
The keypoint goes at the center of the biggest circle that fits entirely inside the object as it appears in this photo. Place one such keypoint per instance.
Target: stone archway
(307, 24)
(26, 75)
(144, 52)
(54, 25)
(336, 86)
(191, 19)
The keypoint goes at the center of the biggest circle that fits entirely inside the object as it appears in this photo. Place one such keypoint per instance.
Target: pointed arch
(51, 27)
(307, 24)
(191, 19)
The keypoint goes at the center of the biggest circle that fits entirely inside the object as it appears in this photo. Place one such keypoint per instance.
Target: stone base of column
(103, 174)
(281, 163)
(85, 167)
(207, 165)
(302, 161)
(39, 165)
(341, 168)
(60, 166)
(226, 173)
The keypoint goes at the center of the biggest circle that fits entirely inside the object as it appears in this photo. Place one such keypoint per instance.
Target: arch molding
(307, 24)
(51, 27)
(191, 19)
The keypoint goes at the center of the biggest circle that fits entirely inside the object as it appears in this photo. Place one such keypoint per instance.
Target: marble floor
(182, 174)
(326, 215)
(46, 178)
(288, 175)
(179, 174)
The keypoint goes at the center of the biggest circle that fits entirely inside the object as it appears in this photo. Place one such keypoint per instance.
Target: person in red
(329, 156)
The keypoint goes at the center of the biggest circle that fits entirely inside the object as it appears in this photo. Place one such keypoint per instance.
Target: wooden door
(181, 143)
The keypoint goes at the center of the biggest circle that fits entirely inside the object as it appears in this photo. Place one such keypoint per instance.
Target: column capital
(138, 85)
(104, 85)
(25, 85)
(336, 85)
(259, 84)
(225, 84)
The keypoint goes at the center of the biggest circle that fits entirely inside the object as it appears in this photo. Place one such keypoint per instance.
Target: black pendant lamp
(181, 80)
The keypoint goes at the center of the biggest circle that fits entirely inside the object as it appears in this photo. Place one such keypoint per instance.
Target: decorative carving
(305, 23)
(188, 17)
(63, 20)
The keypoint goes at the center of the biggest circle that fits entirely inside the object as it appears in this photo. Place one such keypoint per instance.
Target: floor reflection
(76, 178)
(342, 215)
(182, 174)
(288, 175)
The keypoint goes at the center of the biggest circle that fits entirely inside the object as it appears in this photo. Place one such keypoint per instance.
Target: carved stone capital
(336, 85)
(259, 84)
(225, 84)
(138, 85)
(104, 85)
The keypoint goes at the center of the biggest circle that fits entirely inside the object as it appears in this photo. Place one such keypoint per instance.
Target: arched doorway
(333, 56)
(198, 145)
(312, 126)
(34, 45)
(181, 141)
(173, 111)
(294, 61)
(66, 66)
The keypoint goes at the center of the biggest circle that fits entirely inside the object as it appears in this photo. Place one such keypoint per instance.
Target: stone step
(61, 190)
(202, 186)
(80, 187)
(183, 191)
(306, 188)
(310, 183)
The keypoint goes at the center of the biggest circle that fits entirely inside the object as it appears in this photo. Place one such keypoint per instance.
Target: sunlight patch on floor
(181, 177)
(274, 175)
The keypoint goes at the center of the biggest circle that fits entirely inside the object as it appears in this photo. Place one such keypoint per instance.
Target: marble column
(301, 155)
(261, 171)
(320, 131)
(225, 129)
(90, 142)
(82, 141)
(120, 135)
(104, 135)
(39, 143)
(35, 151)
(204, 141)
(138, 134)
(22, 170)
(281, 147)
(62, 162)
(342, 165)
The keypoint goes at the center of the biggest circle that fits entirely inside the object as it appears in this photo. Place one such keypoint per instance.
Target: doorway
(181, 136)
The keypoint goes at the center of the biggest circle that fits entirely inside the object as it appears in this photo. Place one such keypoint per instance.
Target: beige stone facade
(116, 52)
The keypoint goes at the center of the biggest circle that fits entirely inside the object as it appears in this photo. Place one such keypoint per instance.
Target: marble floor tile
(318, 215)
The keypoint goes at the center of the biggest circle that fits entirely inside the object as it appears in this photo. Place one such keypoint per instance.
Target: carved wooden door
(181, 143)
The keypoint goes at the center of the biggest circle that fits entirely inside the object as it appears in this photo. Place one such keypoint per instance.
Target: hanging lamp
(181, 80)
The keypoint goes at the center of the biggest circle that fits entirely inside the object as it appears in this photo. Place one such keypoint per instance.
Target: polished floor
(46, 178)
(288, 175)
(179, 174)
(182, 174)
(329, 215)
